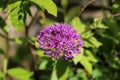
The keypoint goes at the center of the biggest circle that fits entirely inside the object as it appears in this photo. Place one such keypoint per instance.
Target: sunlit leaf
(87, 34)
(115, 6)
(78, 25)
(88, 44)
(33, 38)
(43, 65)
(86, 64)
(14, 18)
(18, 41)
(37, 45)
(20, 73)
(78, 57)
(49, 5)
(13, 5)
(98, 24)
(90, 56)
(95, 42)
(40, 53)
(6, 29)
(0, 9)
(54, 75)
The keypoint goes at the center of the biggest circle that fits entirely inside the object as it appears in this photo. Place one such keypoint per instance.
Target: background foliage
(99, 58)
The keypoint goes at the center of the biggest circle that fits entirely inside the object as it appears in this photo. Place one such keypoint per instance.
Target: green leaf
(20, 73)
(110, 37)
(71, 13)
(2, 22)
(61, 70)
(18, 41)
(65, 75)
(6, 29)
(15, 15)
(1, 51)
(2, 5)
(115, 6)
(85, 60)
(87, 34)
(82, 74)
(95, 42)
(40, 53)
(64, 3)
(13, 5)
(54, 75)
(43, 65)
(97, 73)
(86, 64)
(3, 25)
(0, 9)
(88, 44)
(98, 24)
(90, 56)
(18, 24)
(47, 21)
(1, 75)
(49, 5)
(37, 45)
(78, 57)
(78, 25)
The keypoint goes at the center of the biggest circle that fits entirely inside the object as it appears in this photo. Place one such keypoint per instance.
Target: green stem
(5, 62)
(54, 72)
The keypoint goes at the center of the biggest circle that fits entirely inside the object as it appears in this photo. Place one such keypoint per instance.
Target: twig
(5, 37)
(117, 14)
(32, 21)
(85, 6)
(30, 44)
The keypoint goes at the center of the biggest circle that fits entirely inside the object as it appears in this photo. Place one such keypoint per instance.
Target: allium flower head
(60, 41)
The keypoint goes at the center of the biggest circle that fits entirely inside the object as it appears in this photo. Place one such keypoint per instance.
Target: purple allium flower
(60, 41)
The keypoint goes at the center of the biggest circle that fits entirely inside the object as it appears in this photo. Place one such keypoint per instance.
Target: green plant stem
(55, 64)
(5, 62)
(53, 76)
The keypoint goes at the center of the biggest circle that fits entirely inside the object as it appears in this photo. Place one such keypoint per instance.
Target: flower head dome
(60, 41)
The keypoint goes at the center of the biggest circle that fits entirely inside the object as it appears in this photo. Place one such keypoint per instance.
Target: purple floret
(60, 41)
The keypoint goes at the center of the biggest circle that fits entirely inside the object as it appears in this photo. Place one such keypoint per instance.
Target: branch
(32, 21)
(117, 14)
(5, 37)
(85, 6)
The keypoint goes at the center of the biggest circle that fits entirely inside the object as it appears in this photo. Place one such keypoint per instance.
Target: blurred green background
(97, 21)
